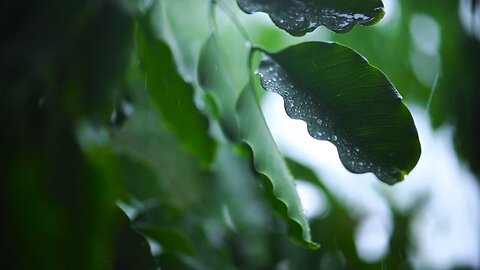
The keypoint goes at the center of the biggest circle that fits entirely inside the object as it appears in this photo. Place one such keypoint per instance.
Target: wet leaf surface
(348, 102)
(299, 17)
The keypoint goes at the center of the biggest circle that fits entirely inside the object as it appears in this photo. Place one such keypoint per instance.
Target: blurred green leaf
(140, 180)
(171, 240)
(270, 163)
(215, 78)
(173, 97)
(60, 64)
(348, 102)
(131, 249)
(301, 17)
(237, 182)
(177, 173)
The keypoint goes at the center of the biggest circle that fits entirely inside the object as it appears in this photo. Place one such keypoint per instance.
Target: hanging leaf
(131, 248)
(237, 104)
(173, 97)
(348, 102)
(299, 17)
(270, 163)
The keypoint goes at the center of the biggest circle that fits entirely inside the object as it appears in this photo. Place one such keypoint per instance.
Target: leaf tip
(377, 18)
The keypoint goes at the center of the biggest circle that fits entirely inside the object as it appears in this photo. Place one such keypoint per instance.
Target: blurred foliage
(85, 129)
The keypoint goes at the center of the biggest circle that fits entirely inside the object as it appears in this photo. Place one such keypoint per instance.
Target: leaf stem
(212, 16)
(243, 31)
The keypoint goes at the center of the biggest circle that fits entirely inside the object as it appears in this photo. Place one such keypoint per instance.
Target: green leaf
(146, 140)
(131, 248)
(216, 80)
(241, 118)
(299, 17)
(174, 97)
(348, 102)
(270, 163)
(171, 240)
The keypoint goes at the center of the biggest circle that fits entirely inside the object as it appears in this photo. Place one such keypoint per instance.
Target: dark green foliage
(131, 248)
(60, 63)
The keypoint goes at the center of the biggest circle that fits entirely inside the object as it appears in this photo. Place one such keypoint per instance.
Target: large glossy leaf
(173, 96)
(348, 102)
(269, 162)
(298, 17)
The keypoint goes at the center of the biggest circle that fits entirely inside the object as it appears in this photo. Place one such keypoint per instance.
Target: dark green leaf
(131, 248)
(269, 162)
(146, 140)
(174, 97)
(139, 179)
(170, 239)
(348, 102)
(298, 17)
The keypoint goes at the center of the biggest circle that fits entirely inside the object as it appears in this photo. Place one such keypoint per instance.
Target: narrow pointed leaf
(242, 119)
(298, 17)
(269, 162)
(173, 97)
(348, 102)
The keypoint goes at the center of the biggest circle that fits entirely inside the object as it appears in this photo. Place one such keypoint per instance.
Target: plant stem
(236, 22)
